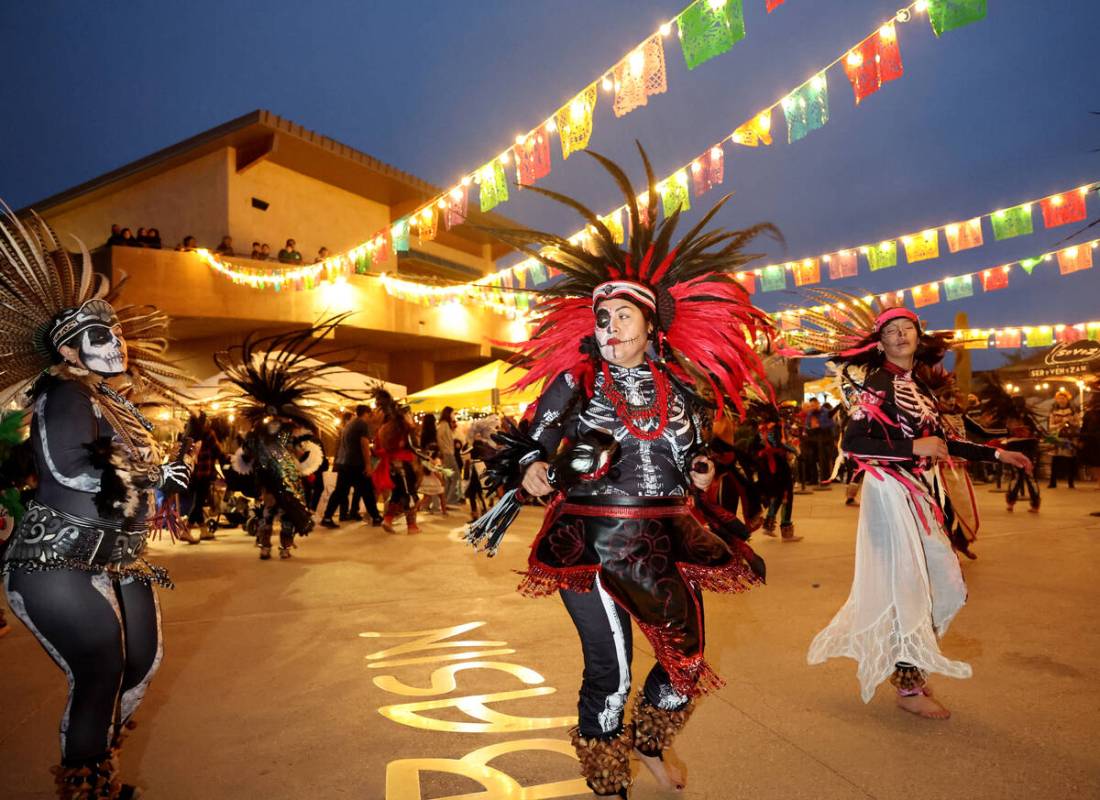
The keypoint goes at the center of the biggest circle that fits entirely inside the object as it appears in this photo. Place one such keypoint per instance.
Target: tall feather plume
(269, 375)
(703, 314)
(39, 279)
(849, 321)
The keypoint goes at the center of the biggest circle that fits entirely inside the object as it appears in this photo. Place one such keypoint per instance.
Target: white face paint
(103, 351)
(621, 332)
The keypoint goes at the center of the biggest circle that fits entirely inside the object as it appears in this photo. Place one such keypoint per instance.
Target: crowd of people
(443, 471)
(261, 251)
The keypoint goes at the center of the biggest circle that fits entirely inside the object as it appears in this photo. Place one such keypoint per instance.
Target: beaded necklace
(631, 415)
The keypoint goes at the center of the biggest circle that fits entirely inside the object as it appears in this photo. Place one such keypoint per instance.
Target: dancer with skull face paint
(637, 347)
(74, 570)
(908, 586)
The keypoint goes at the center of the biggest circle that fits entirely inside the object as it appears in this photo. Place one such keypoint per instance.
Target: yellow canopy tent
(484, 387)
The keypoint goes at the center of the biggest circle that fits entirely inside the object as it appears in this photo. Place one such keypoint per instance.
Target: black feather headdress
(276, 375)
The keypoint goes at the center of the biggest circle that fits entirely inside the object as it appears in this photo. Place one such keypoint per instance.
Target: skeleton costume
(908, 586)
(626, 536)
(74, 570)
(275, 383)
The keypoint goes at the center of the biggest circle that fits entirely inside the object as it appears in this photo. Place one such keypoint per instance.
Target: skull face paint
(621, 332)
(103, 351)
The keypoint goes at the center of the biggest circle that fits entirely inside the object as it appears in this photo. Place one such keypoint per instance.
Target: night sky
(985, 117)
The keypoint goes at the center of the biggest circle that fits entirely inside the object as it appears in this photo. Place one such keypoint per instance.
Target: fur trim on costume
(655, 728)
(241, 463)
(310, 461)
(122, 483)
(605, 763)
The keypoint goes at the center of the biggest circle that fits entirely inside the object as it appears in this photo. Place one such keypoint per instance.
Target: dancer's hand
(701, 478)
(534, 480)
(931, 447)
(1015, 459)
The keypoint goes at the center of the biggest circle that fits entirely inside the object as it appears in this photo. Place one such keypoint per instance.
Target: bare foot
(669, 775)
(923, 705)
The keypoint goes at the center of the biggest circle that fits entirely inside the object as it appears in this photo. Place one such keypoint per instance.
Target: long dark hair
(428, 433)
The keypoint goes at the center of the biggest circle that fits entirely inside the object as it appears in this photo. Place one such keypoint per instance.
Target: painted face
(622, 332)
(899, 339)
(103, 350)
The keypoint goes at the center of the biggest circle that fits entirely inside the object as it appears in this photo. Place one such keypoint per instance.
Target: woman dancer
(907, 586)
(395, 473)
(74, 570)
(631, 341)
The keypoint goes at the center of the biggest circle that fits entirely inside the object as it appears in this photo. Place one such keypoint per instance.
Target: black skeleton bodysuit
(630, 543)
(74, 569)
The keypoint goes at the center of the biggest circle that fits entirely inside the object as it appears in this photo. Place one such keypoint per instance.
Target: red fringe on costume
(542, 581)
(734, 578)
(689, 675)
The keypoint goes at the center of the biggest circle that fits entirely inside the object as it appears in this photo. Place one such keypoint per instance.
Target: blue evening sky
(984, 117)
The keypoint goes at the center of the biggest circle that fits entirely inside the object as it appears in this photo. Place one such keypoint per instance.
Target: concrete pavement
(275, 674)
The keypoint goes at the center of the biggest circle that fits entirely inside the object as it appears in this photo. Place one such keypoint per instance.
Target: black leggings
(606, 643)
(1020, 482)
(104, 634)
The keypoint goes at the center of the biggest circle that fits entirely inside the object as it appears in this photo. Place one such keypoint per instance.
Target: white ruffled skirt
(906, 590)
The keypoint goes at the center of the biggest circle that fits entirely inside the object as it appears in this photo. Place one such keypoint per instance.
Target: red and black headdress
(705, 327)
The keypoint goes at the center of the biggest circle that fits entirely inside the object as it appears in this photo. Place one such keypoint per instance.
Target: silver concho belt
(47, 535)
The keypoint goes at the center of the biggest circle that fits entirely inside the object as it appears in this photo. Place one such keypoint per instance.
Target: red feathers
(713, 319)
(554, 348)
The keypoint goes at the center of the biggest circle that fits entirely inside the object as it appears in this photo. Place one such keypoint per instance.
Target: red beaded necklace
(631, 415)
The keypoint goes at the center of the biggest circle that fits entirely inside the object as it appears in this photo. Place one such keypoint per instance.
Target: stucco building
(263, 178)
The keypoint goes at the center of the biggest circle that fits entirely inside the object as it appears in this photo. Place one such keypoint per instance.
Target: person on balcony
(290, 254)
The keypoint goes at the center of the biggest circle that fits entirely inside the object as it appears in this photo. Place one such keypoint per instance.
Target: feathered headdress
(705, 325)
(44, 292)
(271, 376)
(849, 329)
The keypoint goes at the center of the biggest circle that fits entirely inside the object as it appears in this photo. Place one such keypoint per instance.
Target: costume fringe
(655, 728)
(689, 675)
(139, 570)
(540, 580)
(605, 763)
(732, 578)
(486, 533)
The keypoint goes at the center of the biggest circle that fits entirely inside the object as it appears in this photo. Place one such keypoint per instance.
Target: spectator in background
(290, 254)
(140, 237)
(818, 428)
(265, 251)
(256, 251)
(429, 438)
(115, 239)
(151, 239)
(226, 247)
(188, 243)
(353, 464)
(445, 438)
(128, 239)
(1064, 425)
(322, 254)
